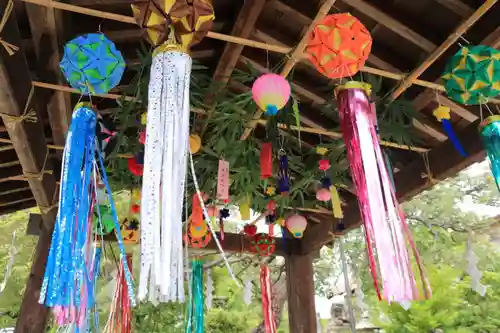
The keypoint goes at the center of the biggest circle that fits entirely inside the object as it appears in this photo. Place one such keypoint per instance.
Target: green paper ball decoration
(92, 64)
(472, 76)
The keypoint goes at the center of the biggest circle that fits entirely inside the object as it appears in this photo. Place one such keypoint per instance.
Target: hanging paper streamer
(266, 160)
(271, 92)
(223, 180)
(247, 292)
(67, 283)
(245, 208)
(92, 64)
(10, 263)
(472, 269)
(385, 224)
(490, 135)
(195, 312)
(209, 290)
(283, 175)
(167, 134)
(119, 320)
(442, 114)
(336, 203)
(266, 293)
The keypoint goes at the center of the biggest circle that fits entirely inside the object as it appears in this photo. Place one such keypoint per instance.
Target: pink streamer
(385, 226)
(266, 293)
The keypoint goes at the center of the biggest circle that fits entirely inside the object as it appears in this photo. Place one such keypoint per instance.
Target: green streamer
(195, 315)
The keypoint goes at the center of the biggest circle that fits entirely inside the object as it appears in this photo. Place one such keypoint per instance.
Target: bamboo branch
(462, 28)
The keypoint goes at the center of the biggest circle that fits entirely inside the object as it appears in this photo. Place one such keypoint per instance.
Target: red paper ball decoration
(263, 245)
(250, 229)
(134, 167)
(324, 165)
(339, 45)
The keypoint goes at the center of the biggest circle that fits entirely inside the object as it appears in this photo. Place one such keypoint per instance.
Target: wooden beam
(444, 162)
(300, 290)
(18, 207)
(391, 23)
(29, 142)
(457, 6)
(452, 38)
(47, 33)
(295, 56)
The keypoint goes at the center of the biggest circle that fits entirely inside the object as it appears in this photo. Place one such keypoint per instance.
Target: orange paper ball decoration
(339, 46)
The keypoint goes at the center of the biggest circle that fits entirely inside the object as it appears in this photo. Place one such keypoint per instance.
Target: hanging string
(428, 172)
(10, 48)
(207, 219)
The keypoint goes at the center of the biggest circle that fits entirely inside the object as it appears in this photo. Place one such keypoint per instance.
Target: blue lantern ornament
(92, 64)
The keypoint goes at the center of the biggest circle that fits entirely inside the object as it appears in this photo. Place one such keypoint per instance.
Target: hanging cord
(10, 48)
(428, 173)
(29, 114)
(352, 317)
(207, 219)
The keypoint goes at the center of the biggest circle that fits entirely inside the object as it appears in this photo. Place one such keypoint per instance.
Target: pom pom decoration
(324, 165)
(384, 221)
(326, 182)
(472, 76)
(442, 114)
(92, 64)
(271, 92)
(323, 194)
(194, 143)
(339, 46)
(191, 20)
(490, 135)
(263, 245)
(296, 224)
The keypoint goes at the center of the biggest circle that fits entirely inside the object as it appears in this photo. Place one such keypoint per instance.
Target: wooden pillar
(300, 288)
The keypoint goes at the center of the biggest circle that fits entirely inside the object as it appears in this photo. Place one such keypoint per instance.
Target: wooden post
(300, 289)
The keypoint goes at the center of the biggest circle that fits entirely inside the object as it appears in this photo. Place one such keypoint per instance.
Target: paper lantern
(490, 135)
(339, 46)
(271, 92)
(92, 64)
(323, 194)
(296, 224)
(472, 76)
(191, 19)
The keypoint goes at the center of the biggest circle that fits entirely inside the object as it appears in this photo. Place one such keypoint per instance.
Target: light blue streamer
(195, 323)
(490, 135)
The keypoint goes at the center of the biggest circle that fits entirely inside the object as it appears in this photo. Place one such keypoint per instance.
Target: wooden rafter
(391, 23)
(452, 38)
(295, 56)
(457, 6)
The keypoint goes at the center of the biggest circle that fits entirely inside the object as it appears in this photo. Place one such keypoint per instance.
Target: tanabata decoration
(442, 114)
(250, 230)
(172, 26)
(8, 268)
(105, 132)
(263, 245)
(195, 313)
(73, 254)
(129, 229)
(283, 174)
(323, 194)
(134, 167)
(472, 76)
(245, 208)
(339, 46)
(296, 224)
(198, 235)
(120, 313)
(384, 220)
(190, 19)
(223, 181)
(92, 64)
(490, 135)
(266, 160)
(266, 294)
(271, 92)
(472, 269)
(194, 143)
(103, 220)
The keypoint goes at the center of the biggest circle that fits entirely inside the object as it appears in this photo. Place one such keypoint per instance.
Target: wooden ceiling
(412, 40)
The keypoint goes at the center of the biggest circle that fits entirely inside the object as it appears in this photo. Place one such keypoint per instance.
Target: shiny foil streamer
(266, 160)
(195, 321)
(266, 294)
(167, 135)
(385, 226)
(490, 135)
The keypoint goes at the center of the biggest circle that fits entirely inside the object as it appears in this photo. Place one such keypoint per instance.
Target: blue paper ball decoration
(92, 64)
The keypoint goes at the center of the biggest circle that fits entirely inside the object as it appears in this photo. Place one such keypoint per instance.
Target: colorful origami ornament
(271, 92)
(92, 64)
(442, 114)
(339, 46)
(472, 76)
(263, 245)
(384, 221)
(296, 224)
(490, 135)
(190, 19)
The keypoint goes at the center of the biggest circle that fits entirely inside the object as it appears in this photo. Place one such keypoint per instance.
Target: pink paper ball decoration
(323, 194)
(271, 92)
(296, 224)
(324, 165)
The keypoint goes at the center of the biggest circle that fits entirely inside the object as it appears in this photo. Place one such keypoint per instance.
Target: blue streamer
(195, 322)
(490, 135)
(448, 128)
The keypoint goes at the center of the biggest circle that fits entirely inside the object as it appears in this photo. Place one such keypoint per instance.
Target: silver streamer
(247, 292)
(10, 263)
(348, 293)
(472, 269)
(167, 134)
(209, 290)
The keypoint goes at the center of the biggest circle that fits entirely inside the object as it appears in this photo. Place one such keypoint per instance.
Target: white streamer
(472, 269)
(167, 133)
(10, 263)
(247, 292)
(209, 289)
(207, 219)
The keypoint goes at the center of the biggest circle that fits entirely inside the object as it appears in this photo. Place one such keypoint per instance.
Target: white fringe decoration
(472, 269)
(10, 263)
(209, 290)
